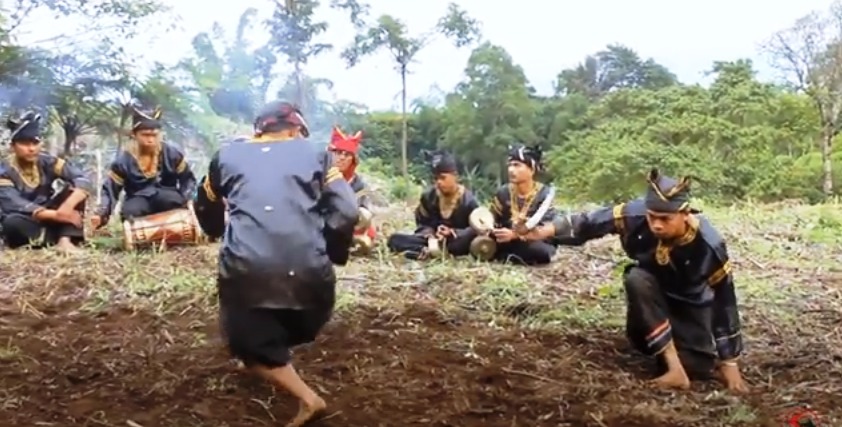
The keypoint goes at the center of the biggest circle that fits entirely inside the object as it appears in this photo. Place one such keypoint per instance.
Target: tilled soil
(376, 367)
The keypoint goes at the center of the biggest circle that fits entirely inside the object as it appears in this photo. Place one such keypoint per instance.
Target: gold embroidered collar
(29, 174)
(149, 169)
(448, 204)
(518, 212)
(663, 250)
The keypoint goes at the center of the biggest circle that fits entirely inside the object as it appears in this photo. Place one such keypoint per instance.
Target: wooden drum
(175, 227)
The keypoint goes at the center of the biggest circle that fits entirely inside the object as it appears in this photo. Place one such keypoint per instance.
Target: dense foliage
(611, 118)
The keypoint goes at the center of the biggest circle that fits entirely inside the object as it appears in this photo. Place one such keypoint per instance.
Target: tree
(232, 78)
(810, 56)
(491, 109)
(294, 30)
(391, 34)
(615, 68)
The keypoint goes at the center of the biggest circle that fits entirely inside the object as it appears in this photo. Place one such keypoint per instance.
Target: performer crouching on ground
(154, 174)
(42, 197)
(276, 280)
(345, 150)
(517, 201)
(680, 292)
(442, 215)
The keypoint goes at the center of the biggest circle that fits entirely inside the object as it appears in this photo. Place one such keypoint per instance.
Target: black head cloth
(280, 113)
(530, 156)
(665, 194)
(442, 162)
(146, 120)
(25, 128)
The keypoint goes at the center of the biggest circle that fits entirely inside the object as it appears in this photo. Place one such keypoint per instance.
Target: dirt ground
(416, 366)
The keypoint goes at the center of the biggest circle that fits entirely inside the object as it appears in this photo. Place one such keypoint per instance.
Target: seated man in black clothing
(517, 201)
(41, 197)
(442, 213)
(154, 174)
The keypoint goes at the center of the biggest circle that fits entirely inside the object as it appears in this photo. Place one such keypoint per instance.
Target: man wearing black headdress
(518, 201)
(680, 291)
(41, 196)
(154, 174)
(291, 217)
(442, 213)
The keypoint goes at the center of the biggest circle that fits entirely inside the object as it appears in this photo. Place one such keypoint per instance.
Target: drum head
(481, 220)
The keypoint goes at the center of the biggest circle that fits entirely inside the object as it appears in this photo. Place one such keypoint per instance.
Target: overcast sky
(544, 37)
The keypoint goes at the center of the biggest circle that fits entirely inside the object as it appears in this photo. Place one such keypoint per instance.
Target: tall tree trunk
(827, 166)
(299, 85)
(69, 142)
(404, 126)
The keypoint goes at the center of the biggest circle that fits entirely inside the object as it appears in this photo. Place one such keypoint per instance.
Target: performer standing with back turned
(292, 217)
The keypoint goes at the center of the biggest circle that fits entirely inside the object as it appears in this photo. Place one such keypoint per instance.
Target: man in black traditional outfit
(680, 291)
(154, 174)
(41, 196)
(292, 217)
(517, 201)
(442, 213)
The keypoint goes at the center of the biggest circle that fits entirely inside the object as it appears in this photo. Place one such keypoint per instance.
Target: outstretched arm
(577, 229)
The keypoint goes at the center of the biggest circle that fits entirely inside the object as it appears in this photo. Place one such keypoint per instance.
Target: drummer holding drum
(158, 184)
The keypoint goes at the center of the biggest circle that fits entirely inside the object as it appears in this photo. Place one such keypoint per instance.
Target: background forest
(611, 118)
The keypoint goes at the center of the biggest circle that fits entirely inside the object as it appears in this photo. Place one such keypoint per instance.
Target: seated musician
(442, 213)
(154, 174)
(680, 292)
(276, 280)
(41, 196)
(514, 203)
(345, 150)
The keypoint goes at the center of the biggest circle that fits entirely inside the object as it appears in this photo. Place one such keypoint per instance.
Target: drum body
(175, 227)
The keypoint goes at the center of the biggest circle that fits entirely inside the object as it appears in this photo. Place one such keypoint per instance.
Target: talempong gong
(483, 246)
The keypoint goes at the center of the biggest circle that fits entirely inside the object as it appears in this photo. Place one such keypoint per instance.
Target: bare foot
(237, 364)
(672, 379)
(67, 247)
(308, 412)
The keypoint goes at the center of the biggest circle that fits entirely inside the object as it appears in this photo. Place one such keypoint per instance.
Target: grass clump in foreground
(115, 334)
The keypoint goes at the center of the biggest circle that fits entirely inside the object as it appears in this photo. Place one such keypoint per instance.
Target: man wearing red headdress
(345, 149)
